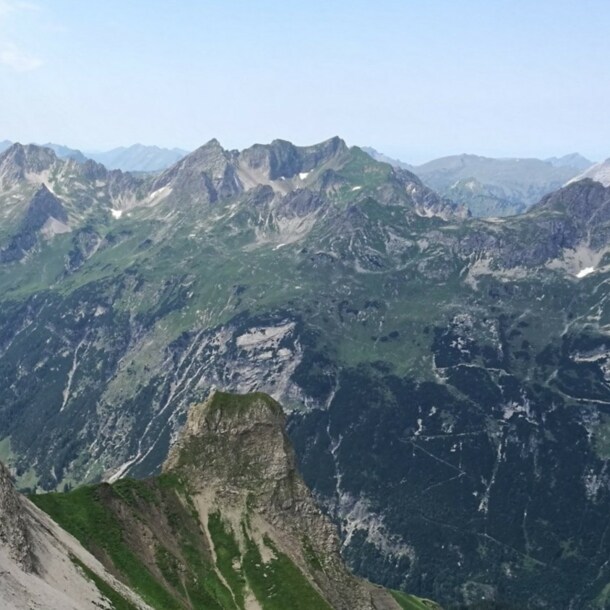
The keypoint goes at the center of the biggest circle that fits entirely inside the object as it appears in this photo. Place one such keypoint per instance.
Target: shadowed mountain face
(445, 376)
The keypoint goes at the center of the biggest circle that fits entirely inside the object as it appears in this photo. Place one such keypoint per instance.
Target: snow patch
(356, 188)
(116, 213)
(304, 175)
(584, 272)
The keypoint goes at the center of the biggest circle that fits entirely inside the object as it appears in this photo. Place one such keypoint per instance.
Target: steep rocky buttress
(237, 460)
(228, 525)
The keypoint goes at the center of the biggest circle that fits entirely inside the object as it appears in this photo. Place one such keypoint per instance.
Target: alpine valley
(446, 378)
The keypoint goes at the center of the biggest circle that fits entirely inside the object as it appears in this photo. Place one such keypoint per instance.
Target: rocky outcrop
(228, 525)
(14, 534)
(45, 209)
(44, 205)
(18, 162)
(205, 176)
(237, 460)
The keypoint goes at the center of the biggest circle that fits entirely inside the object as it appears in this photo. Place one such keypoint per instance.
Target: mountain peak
(28, 153)
(212, 144)
(574, 159)
(332, 147)
(19, 160)
(585, 202)
(235, 458)
(249, 428)
(600, 172)
(210, 150)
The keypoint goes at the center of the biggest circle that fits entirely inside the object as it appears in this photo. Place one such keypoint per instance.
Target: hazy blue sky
(413, 78)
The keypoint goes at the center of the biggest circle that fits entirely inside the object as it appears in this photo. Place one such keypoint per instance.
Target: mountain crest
(20, 160)
(235, 425)
(600, 172)
(237, 461)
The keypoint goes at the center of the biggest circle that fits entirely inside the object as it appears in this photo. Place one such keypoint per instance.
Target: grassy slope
(410, 602)
(106, 520)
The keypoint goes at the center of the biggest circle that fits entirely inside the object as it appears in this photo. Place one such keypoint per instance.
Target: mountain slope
(64, 152)
(229, 524)
(378, 156)
(574, 160)
(518, 183)
(135, 158)
(41, 566)
(599, 172)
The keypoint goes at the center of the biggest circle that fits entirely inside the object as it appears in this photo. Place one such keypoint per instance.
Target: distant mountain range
(487, 186)
(135, 158)
(494, 187)
(575, 160)
(138, 158)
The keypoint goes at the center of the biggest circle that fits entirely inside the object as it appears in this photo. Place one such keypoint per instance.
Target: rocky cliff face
(14, 534)
(238, 462)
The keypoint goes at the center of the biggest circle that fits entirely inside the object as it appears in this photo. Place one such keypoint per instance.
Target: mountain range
(494, 187)
(135, 158)
(445, 377)
(488, 187)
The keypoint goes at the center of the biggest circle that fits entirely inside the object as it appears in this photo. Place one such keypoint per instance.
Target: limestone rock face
(236, 456)
(13, 527)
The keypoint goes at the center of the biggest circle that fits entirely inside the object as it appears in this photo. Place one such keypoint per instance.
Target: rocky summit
(228, 525)
(445, 377)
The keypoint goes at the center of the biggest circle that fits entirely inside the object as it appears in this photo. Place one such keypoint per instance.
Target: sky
(415, 79)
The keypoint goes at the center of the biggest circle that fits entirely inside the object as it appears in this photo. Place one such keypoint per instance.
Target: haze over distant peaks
(570, 160)
(378, 156)
(138, 158)
(494, 186)
(135, 158)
